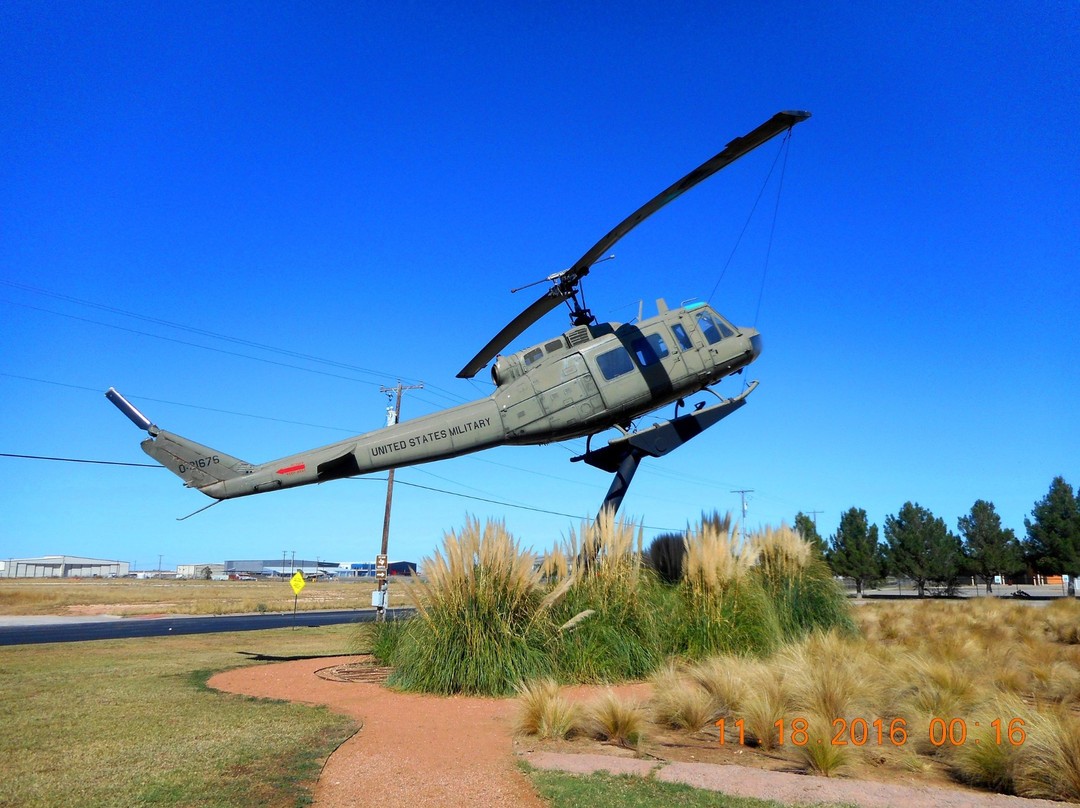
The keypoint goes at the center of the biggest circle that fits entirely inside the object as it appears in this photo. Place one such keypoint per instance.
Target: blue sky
(363, 184)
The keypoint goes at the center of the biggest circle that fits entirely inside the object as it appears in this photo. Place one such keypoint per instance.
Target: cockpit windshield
(713, 328)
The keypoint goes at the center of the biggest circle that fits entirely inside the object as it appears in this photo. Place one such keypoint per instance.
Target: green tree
(808, 530)
(990, 549)
(854, 552)
(1053, 536)
(921, 547)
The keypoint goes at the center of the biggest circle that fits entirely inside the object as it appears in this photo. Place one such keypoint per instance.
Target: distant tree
(990, 549)
(854, 552)
(665, 555)
(1053, 536)
(808, 530)
(207, 573)
(921, 547)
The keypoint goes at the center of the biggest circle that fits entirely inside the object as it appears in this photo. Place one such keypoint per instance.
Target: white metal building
(62, 566)
(200, 570)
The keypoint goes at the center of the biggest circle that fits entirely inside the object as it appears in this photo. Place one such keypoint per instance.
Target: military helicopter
(593, 377)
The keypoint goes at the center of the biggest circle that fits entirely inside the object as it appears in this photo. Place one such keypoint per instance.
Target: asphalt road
(25, 632)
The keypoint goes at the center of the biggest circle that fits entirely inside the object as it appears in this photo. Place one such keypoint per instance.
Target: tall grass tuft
(725, 607)
(818, 753)
(680, 702)
(618, 721)
(543, 712)
(1049, 764)
(611, 616)
(479, 627)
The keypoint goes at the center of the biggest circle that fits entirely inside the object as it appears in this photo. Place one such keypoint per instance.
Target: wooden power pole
(381, 562)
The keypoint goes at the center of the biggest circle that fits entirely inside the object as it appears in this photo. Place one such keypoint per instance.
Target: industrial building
(209, 570)
(63, 566)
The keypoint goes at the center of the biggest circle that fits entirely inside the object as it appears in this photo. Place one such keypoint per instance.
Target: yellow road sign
(297, 583)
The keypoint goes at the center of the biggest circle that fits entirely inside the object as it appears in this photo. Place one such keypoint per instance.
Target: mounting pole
(392, 416)
(742, 492)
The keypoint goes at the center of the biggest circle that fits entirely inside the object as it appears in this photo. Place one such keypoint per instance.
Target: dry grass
(617, 720)
(713, 559)
(543, 712)
(818, 753)
(682, 703)
(781, 553)
(916, 665)
(128, 597)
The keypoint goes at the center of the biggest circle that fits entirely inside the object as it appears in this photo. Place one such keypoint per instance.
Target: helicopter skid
(662, 438)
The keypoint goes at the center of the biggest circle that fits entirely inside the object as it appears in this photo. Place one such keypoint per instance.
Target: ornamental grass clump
(800, 584)
(482, 624)
(617, 721)
(725, 607)
(544, 712)
(610, 615)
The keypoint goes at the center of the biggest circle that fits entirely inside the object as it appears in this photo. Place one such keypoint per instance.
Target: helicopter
(588, 380)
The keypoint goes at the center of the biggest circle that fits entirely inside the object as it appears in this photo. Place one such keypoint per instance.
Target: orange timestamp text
(859, 732)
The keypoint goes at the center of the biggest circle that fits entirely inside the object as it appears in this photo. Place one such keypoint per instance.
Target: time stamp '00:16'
(859, 731)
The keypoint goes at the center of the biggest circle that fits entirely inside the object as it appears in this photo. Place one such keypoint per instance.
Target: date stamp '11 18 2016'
(859, 732)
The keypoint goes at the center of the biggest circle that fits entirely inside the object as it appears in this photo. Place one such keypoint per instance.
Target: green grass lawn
(131, 722)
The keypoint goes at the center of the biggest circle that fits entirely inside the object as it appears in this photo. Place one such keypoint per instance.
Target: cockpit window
(614, 363)
(533, 356)
(682, 337)
(649, 349)
(708, 327)
(714, 330)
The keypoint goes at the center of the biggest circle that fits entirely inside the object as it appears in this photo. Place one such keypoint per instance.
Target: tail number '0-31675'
(200, 463)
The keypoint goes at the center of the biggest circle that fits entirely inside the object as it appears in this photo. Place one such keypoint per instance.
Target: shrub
(800, 584)
(725, 608)
(665, 557)
(480, 627)
(612, 613)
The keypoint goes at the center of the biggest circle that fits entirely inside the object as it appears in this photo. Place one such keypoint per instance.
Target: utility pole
(742, 492)
(392, 416)
(813, 515)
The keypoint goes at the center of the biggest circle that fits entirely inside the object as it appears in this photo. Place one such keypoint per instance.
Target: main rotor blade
(732, 152)
(546, 303)
(567, 281)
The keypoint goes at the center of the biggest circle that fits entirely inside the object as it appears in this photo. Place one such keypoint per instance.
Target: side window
(532, 356)
(614, 363)
(682, 337)
(649, 349)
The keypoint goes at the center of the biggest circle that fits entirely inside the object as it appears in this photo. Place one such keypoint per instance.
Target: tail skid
(197, 465)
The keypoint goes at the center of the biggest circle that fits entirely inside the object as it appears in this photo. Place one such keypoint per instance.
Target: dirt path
(434, 752)
(412, 750)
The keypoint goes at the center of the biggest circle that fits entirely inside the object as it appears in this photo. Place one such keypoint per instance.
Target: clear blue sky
(365, 182)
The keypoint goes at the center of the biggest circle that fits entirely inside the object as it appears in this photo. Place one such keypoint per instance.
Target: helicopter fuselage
(588, 380)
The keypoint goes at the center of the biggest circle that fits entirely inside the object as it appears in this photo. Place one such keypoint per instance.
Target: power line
(351, 431)
(211, 334)
(357, 479)
(80, 460)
